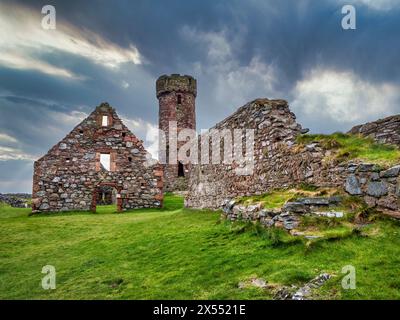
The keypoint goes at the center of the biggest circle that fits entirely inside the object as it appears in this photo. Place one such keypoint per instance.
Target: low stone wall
(385, 130)
(378, 187)
(16, 200)
(287, 217)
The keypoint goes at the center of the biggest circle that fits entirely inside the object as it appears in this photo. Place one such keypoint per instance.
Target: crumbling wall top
(176, 82)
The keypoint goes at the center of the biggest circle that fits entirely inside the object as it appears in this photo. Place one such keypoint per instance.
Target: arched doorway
(106, 195)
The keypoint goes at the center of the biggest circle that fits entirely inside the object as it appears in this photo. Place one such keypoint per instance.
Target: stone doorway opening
(106, 197)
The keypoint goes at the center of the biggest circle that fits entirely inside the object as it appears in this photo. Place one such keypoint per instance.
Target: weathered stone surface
(377, 189)
(305, 291)
(392, 172)
(295, 207)
(366, 167)
(330, 214)
(314, 201)
(353, 185)
(370, 201)
(385, 130)
(391, 203)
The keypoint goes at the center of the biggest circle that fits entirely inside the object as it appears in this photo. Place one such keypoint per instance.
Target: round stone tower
(176, 95)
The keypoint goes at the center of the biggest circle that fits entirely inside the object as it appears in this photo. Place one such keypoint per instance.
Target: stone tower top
(176, 82)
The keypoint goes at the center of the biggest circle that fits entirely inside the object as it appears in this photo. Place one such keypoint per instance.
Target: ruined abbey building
(176, 95)
(99, 160)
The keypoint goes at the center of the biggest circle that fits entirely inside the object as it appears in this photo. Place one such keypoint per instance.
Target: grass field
(176, 253)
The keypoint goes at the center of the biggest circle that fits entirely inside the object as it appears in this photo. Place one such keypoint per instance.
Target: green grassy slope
(348, 147)
(176, 253)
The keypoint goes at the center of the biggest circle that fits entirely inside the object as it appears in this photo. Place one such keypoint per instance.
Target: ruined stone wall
(176, 95)
(385, 130)
(69, 175)
(279, 162)
(379, 187)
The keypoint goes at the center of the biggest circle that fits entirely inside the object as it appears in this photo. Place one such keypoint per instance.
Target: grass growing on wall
(347, 147)
(278, 197)
(176, 253)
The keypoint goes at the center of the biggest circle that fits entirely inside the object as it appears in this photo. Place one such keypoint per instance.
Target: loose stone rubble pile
(287, 217)
(288, 293)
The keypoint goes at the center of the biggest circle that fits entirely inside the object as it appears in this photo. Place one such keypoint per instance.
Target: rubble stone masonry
(176, 95)
(69, 176)
(280, 162)
(385, 130)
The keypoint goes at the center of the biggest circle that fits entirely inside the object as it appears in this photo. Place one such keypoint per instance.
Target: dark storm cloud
(238, 51)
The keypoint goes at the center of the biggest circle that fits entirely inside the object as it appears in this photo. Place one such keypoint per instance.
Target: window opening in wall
(179, 99)
(105, 161)
(104, 121)
(181, 172)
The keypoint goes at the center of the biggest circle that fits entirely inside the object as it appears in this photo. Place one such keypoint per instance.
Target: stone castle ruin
(100, 161)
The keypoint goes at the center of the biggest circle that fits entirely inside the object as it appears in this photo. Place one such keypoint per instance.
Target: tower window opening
(179, 99)
(104, 121)
(181, 171)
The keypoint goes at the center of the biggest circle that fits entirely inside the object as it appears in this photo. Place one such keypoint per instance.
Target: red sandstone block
(158, 173)
(159, 196)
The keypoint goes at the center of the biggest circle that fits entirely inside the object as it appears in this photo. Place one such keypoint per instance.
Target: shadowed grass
(176, 253)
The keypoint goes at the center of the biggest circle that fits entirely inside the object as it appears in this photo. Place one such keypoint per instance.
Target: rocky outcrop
(385, 130)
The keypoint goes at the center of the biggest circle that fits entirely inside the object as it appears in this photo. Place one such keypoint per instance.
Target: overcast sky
(237, 50)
